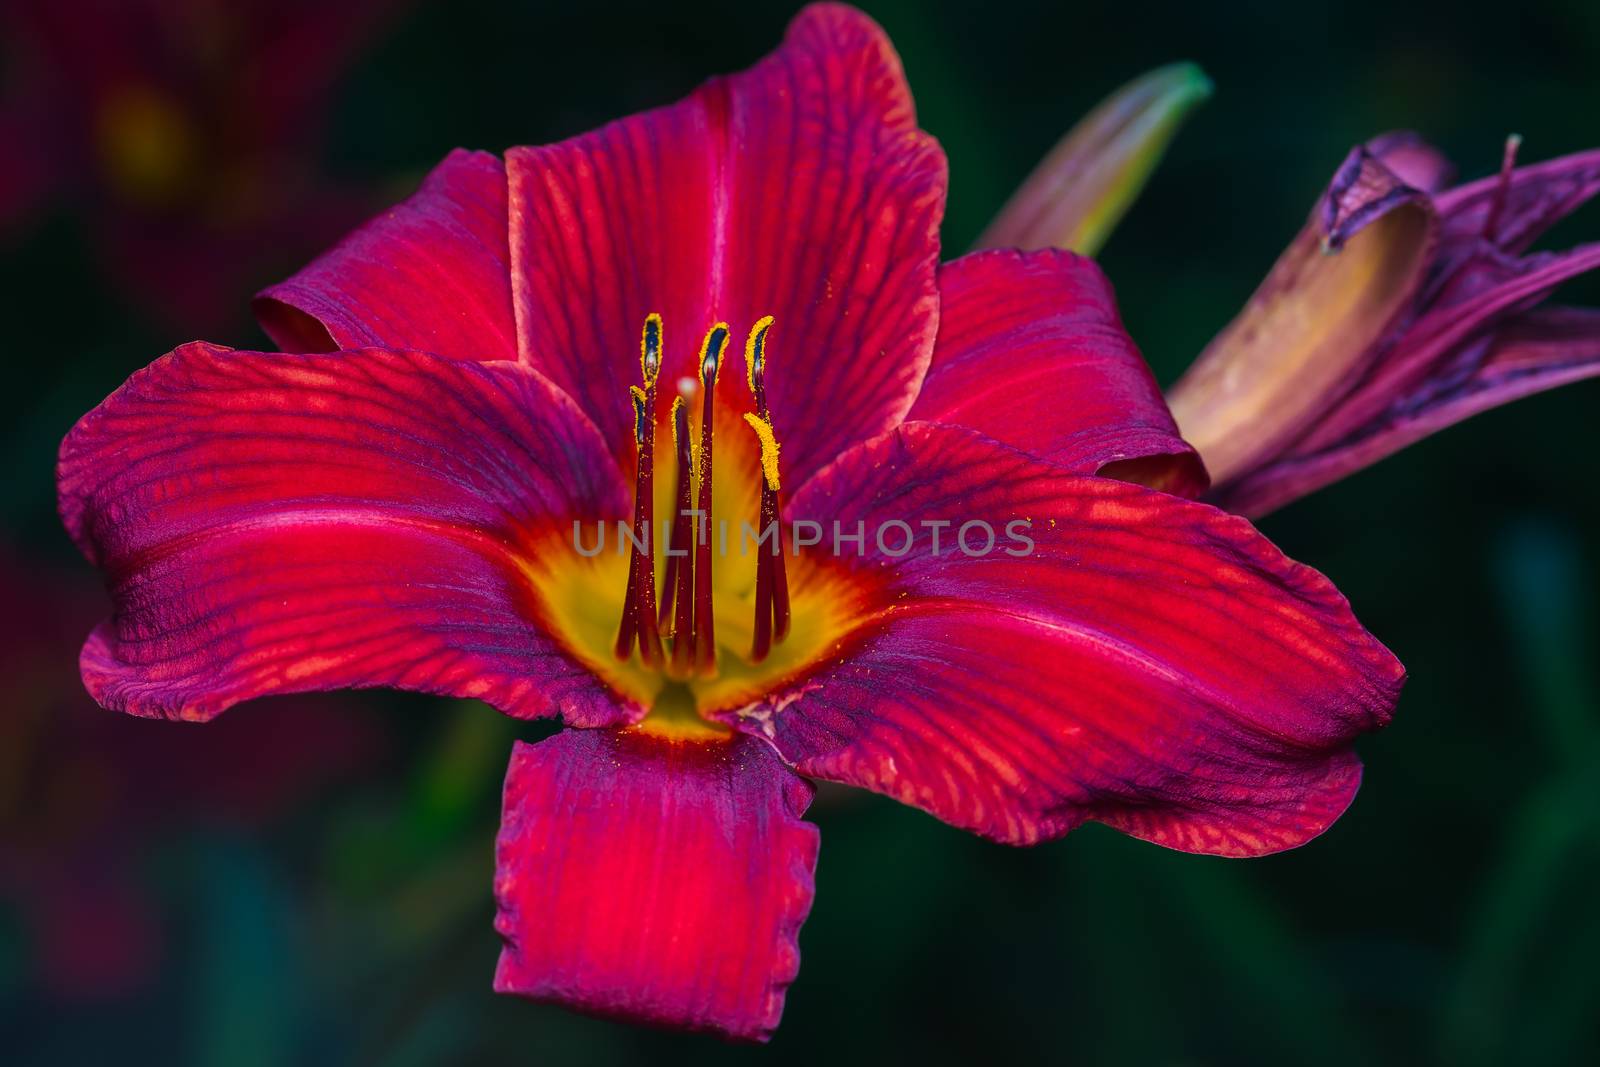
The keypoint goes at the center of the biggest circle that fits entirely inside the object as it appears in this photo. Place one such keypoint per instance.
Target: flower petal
(1031, 351)
(1312, 327)
(1079, 192)
(800, 189)
(1437, 352)
(654, 880)
(1536, 198)
(1151, 663)
(1412, 160)
(273, 523)
(1541, 349)
(432, 274)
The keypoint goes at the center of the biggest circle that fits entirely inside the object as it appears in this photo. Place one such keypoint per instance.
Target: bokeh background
(308, 880)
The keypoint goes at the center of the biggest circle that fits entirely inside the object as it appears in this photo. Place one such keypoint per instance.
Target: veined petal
(1031, 351)
(432, 274)
(654, 880)
(272, 523)
(1149, 662)
(1312, 327)
(1540, 349)
(1537, 197)
(800, 189)
(1076, 196)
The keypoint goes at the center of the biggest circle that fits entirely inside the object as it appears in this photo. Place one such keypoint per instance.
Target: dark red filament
(772, 579)
(705, 639)
(639, 603)
(678, 583)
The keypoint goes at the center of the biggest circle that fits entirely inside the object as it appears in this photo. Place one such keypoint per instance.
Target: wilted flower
(488, 366)
(1401, 308)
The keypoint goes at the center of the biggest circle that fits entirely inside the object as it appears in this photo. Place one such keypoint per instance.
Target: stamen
(772, 580)
(678, 584)
(769, 448)
(1502, 191)
(705, 643)
(639, 601)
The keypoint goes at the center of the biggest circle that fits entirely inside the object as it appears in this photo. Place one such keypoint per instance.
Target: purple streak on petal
(1363, 190)
(1539, 196)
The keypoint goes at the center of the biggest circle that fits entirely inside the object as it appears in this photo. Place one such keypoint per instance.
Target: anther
(772, 581)
(639, 601)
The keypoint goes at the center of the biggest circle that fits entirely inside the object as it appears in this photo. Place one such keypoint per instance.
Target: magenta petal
(1413, 160)
(1031, 351)
(276, 523)
(1363, 190)
(800, 188)
(432, 274)
(654, 880)
(1150, 662)
(1538, 197)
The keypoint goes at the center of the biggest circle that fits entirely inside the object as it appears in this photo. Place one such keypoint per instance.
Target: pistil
(639, 602)
(772, 580)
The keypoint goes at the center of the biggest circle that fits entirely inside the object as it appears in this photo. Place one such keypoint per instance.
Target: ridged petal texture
(1146, 662)
(272, 523)
(654, 880)
(1031, 351)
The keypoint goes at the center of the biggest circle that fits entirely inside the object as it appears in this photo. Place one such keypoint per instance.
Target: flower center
(718, 605)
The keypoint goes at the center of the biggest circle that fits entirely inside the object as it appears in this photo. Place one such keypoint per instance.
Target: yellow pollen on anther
(677, 402)
(769, 448)
(650, 349)
(755, 355)
(641, 413)
(718, 336)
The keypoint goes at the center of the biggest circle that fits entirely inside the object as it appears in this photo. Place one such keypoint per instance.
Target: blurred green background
(308, 881)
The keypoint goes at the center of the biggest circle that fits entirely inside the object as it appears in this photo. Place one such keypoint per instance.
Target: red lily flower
(1401, 308)
(476, 374)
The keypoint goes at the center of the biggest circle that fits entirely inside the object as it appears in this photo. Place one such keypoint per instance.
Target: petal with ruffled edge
(432, 274)
(654, 880)
(800, 189)
(272, 523)
(1149, 662)
(1031, 351)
